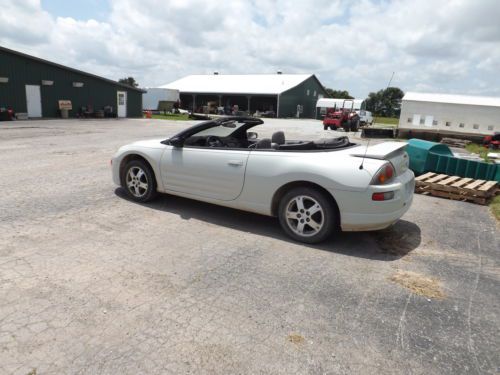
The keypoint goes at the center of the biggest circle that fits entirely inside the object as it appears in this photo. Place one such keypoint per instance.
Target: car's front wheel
(138, 181)
(307, 215)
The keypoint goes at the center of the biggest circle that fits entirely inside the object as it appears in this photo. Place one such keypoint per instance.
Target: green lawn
(386, 120)
(478, 149)
(173, 117)
(495, 207)
(482, 152)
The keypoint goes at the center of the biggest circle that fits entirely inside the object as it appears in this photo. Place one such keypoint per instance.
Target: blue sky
(448, 46)
(78, 9)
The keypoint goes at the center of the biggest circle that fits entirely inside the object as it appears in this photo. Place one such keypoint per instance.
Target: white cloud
(444, 46)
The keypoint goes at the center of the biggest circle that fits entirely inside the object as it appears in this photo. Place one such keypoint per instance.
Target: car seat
(278, 138)
(263, 143)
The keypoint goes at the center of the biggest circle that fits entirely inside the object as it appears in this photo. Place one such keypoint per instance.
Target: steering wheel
(213, 141)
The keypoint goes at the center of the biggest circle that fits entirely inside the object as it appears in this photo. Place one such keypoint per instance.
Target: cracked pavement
(92, 283)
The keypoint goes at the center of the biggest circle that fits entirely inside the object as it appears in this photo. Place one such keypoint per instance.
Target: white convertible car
(313, 187)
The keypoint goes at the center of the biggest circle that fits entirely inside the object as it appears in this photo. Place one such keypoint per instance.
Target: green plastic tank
(435, 157)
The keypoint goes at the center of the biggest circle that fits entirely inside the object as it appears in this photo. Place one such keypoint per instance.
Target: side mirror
(176, 142)
(252, 135)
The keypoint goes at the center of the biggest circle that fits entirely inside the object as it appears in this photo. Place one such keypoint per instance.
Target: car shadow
(389, 244)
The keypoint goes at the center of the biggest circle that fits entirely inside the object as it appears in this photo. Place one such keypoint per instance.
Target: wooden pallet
(455, 142)
(455, 187)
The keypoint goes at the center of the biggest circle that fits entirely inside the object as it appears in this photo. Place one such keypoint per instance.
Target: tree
(130, 81)
(386, 102)
(338, 94)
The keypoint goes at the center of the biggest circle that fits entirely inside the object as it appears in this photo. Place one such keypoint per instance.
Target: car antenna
(374, 120)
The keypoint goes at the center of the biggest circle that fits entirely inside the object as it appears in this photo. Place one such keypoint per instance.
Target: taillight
(383, 196)
(384, 175)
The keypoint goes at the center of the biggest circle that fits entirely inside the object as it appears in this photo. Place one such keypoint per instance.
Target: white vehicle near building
(313, 187)
(365, 117)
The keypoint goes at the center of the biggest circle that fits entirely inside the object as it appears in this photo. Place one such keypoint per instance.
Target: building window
(475, 126)
(462, 125)
(409, 120)
(490, 127)
(422, 121)
(307, 92)
(314, 93)
(448, 123)
(434, 122)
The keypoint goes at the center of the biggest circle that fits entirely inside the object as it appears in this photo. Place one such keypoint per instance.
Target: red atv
(343, 117)
(492, 141)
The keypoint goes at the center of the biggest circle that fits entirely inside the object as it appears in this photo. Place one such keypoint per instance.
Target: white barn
(443, 114)
(282, 95)
(152, 98)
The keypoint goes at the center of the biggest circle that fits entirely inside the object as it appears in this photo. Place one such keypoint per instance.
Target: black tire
(288, 206)
(140, 187)
(346, 126)
(354, 125)
(325, 127)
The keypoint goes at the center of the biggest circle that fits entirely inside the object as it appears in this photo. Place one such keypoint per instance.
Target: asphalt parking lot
(92, 283)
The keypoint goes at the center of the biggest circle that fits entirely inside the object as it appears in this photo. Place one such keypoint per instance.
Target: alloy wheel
(304, 216)
(137, 182)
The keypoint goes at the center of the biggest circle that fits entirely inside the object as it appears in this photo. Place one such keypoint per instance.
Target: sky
(446, 46)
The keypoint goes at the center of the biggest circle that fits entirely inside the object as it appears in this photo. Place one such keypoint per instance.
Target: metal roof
(263, 84)
(452, 99)
(331, 102)
(68, 68)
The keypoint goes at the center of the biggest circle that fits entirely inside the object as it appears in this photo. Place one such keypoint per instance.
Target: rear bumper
(358, 212)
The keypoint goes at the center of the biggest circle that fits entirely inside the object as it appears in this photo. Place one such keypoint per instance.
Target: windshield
(222, 130)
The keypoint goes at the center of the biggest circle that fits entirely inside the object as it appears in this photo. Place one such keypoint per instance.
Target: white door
(121, 98)
(416, 120)
(33, 101)
(429, 120)
(204, 172)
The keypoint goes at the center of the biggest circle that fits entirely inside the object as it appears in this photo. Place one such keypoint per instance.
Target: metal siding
(298, 95)
(469, 115)
(24, 71)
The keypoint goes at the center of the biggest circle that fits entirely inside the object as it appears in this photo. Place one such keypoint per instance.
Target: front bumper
(115, 170)
(358, 212)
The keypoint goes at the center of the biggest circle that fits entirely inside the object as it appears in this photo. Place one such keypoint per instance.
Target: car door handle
(235, 163)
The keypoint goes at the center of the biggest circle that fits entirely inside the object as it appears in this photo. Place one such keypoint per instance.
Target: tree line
(385, 102)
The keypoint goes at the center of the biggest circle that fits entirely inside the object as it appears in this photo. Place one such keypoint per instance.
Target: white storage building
(280, 95)
(152, 98)
(443, 114)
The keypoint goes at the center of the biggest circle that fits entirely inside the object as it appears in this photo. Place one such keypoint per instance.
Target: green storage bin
(419, 152)
(435, 157)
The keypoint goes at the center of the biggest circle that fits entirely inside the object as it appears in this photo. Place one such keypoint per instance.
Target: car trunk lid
(391, 151)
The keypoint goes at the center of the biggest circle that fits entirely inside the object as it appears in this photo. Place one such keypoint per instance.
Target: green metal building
(35, 86)
(285, 95)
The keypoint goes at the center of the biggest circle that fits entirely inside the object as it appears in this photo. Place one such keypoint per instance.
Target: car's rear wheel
(138, 181)
(307, 215)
